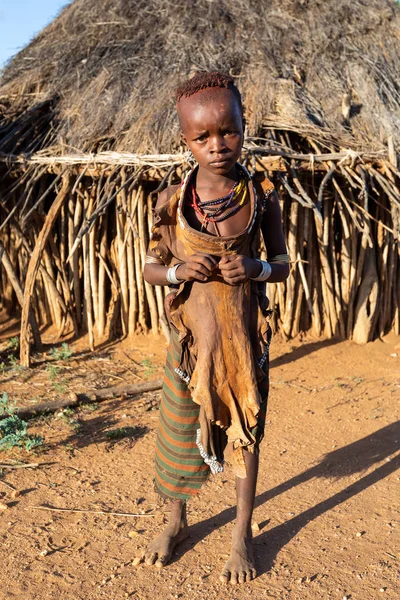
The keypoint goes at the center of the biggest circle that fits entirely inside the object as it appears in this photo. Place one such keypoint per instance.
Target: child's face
(212, 127)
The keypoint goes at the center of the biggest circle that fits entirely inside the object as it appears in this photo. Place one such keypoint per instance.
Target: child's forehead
(208, 96)
(207, 101)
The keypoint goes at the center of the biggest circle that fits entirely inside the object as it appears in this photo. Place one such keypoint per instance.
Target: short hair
(204, 80)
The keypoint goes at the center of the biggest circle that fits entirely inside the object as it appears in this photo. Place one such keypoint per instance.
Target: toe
(138, 559)
(253, 574)
(242, 577)
(161, 561)
(225, 576)
(150, 558)
(234, 578)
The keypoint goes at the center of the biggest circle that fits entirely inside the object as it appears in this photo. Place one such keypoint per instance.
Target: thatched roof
(102, 75)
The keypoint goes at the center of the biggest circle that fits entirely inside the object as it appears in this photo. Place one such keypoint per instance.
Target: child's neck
(206, 180)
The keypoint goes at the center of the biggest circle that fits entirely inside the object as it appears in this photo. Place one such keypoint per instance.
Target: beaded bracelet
(171, 274)
(265, 271)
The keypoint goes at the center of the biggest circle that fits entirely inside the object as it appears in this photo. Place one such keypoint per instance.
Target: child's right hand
(199, 267)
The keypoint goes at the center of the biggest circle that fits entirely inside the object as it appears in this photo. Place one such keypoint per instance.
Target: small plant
(6, 405)
(13, 361)
(58, 384)
(149, 367)
(52, 371)
(122, 432)
(90, 407)
(13, 430)
(13, 343)
(63, 353)
(3, 368)
(68, 415)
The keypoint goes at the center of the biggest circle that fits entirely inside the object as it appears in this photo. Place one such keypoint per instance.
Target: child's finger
(230, 266)
(201, 269)
(228, 259)
(205, 259)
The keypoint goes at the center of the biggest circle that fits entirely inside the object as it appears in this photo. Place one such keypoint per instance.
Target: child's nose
(218, 144)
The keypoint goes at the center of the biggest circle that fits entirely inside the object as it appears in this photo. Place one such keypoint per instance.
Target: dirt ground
(327, 517)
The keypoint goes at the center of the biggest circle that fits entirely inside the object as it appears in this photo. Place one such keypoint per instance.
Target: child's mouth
(220, 162)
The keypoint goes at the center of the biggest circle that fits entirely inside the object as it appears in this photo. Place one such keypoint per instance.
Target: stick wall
(341, 226)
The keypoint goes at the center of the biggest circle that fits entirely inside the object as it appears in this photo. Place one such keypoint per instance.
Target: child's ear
(244, 124)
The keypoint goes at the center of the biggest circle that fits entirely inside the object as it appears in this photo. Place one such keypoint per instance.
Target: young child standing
(205, 243)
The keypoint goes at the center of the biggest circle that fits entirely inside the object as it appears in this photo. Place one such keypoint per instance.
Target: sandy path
(328, 512)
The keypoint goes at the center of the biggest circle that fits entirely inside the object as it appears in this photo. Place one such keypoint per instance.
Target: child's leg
(160, 550)
(240, 565)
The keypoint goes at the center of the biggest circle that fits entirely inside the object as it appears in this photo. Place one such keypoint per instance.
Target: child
(205, 242)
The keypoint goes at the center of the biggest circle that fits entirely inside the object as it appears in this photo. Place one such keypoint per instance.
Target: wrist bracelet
(265, 271)
(171, 274)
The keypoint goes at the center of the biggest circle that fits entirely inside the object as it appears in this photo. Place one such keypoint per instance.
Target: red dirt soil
(327, 515)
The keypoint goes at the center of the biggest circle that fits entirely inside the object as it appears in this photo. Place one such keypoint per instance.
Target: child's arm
(237, 268)
(199, 267)
(271, 228)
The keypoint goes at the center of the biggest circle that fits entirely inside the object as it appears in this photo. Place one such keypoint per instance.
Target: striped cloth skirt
(180, 470)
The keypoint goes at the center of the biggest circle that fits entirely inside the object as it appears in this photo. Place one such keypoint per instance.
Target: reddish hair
(204, 80)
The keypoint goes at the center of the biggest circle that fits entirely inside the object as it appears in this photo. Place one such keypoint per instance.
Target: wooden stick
(139, 271)
(75, 400)
(304, 282)
(33, 268)
(291, 281)
(94, 271)
(101, 324)
(76, 216)
(366, 308)
(142, 208)
(5, 261)
(84, 510)
(24, 466)
(133, 299)
(122, 236)
(158, 288)
(7, 485)
(87, 277)
(336, 281)
(57, 303)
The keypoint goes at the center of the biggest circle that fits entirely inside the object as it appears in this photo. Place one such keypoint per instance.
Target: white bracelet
(265, 271)
(171, 274)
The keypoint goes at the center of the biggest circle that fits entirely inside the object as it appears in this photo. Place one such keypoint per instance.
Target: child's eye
(230, 132)
(201, 138)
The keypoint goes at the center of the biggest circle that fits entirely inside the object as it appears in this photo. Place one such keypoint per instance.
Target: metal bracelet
(171, 274)
(265, 271)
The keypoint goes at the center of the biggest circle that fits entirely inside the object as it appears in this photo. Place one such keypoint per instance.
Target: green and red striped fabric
(180, 470)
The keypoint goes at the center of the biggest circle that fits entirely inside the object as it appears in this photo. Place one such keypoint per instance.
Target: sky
(21, 20)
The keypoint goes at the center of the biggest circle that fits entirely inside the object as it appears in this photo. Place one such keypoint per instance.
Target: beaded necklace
(213, 211)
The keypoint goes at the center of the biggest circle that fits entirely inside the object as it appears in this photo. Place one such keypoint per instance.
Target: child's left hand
(236, 268)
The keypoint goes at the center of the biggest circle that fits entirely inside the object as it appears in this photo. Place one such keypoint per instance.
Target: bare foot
(239, 567)
(160, 550)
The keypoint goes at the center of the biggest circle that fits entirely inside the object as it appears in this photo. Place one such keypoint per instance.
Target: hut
(88, 133)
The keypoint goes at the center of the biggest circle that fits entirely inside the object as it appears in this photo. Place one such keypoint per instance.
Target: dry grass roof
(102, 75)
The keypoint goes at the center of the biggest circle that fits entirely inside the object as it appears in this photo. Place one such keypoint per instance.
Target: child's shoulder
(165, 196)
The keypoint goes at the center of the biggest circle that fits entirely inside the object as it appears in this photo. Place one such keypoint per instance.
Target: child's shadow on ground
(355, 457)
